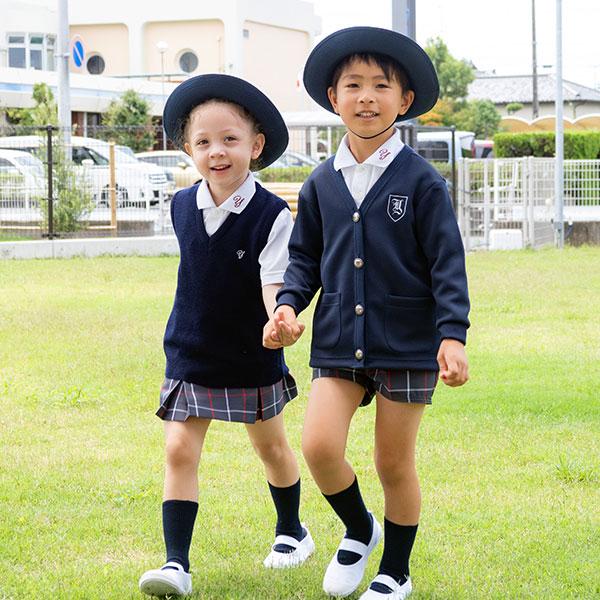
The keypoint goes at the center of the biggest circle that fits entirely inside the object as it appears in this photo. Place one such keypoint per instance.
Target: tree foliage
(452, 108)
(454, 75)
(127, 120)
(44, 112)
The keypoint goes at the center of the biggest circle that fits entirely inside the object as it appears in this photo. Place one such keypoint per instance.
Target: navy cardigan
(391, 273)
(214, 334)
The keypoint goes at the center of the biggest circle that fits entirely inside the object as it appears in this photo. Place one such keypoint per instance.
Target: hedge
(578, 144)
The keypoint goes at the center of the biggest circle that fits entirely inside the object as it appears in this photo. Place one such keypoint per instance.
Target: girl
(233, 237)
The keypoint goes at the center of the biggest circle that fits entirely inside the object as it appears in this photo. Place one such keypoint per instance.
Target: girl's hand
(282, 329)
(454, 366)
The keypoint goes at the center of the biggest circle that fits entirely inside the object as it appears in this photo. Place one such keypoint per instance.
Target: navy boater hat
(327, 54)
(202, 88)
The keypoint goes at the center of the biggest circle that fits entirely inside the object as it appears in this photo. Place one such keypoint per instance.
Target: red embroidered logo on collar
(384, 153)
(238, 200)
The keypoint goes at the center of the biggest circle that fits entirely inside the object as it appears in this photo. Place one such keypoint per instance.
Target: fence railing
(510, 203)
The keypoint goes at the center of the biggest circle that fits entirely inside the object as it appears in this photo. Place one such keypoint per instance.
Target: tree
(454, 75)
(45, 111)
(479, 116)
(128, 120)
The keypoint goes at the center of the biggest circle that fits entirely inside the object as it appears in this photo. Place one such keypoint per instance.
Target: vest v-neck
(374, 191)
(210, 240)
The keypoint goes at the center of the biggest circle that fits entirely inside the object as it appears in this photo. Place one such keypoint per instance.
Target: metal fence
(510, 203)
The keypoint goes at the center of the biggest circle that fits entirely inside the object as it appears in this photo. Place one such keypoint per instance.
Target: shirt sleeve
(274, 257)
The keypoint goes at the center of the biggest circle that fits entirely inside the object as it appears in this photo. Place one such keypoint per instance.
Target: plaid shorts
(400, 386)
(180, 400)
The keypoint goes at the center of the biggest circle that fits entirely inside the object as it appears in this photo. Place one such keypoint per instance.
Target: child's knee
(392, 470)
(180, 453)
(272, 451)
(319, 451)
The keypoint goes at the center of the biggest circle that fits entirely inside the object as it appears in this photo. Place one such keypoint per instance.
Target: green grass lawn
(509, 464)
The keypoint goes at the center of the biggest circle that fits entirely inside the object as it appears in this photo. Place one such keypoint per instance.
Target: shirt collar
(235, 203)
(382, 157)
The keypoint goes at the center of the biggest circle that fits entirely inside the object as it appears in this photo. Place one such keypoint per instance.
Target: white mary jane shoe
(301, 551)
(341, 580)
(170, 580)
(397, 591)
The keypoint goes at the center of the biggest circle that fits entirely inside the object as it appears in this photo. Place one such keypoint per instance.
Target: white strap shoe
(397, 591)
(170, 580)
(341, 580)
(284, 560)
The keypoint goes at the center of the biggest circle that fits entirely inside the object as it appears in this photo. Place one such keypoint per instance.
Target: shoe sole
(158, 587)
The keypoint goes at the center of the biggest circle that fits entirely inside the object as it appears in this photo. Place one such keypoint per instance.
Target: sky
(494, 35)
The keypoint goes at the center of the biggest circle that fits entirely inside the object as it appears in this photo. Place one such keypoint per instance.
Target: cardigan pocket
(410, 324)
(327, 322)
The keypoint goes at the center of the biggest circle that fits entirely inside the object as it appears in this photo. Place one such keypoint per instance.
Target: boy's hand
(454, 366)
(282, 329)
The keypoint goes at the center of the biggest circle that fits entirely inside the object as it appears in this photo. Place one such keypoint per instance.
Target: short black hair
(391, 68)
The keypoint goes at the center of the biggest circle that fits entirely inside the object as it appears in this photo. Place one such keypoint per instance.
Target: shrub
(295, 174)
(577, 145)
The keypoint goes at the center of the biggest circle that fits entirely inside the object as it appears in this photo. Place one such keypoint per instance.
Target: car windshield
(31, 163)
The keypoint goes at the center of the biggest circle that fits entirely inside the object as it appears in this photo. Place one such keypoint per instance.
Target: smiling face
(369, 101)
(222, 141)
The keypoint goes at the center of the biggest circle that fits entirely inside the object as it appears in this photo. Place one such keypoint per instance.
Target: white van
(436, 146)
(136, 182)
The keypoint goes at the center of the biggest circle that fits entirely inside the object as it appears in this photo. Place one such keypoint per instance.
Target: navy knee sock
(179, 517)
(287, 504)
(398, 543)
(350, 508)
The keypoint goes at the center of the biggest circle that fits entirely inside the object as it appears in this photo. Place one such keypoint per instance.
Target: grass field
(509, 464)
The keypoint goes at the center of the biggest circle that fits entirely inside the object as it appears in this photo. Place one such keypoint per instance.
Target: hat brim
(327, 54)
(202, 88)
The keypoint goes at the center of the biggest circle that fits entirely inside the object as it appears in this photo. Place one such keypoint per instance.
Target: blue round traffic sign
(78, 53)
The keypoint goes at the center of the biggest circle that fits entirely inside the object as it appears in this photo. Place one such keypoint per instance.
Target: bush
(295, 174)
(577, 145)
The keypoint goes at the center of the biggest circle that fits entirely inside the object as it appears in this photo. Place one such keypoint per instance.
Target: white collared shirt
(360, 177)
(274, 257)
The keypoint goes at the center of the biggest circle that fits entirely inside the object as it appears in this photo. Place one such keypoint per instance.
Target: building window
(246, 33)
(188, 61)
(31, 51)
(95, 64)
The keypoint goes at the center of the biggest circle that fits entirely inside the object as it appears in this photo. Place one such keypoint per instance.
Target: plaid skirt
(180, 400)
(412, 386)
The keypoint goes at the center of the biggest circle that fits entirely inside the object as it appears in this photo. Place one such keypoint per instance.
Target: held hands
(454, 366)
(282, 329)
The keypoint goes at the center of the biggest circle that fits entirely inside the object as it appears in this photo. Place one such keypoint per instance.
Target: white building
(153, 45)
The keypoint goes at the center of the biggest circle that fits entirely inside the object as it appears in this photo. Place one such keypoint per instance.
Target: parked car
(437, 145)
(177, 162)
(483, 149)
(22, 181)
(136, 183)
(294, 159)
(125, 154)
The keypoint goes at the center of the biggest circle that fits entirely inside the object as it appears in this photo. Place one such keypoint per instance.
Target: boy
(377, 233)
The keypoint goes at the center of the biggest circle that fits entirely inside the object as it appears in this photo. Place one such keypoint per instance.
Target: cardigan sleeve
(302, 277)
(442, 245)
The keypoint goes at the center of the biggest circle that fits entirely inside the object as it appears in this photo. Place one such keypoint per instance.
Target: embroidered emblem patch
(384, 153)
(237, 201)
(396, 207)
(240, 254)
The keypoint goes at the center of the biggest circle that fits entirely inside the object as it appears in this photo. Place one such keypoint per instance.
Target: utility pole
(559, 182)
(64, 91)
(535, 101)
(404, 17)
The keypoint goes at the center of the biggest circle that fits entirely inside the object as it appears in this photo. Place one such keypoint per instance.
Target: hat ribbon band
(370, 137)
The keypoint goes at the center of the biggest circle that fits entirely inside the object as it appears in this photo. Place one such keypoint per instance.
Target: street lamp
(162, 48)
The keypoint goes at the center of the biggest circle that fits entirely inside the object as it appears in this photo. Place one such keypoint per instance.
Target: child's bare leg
(183, 443)
(293, 543)
(272, 447)
(331, 405)
(396, 429)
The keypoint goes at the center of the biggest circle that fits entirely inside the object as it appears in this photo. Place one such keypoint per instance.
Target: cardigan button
(356, 217)
(359, 354)
(358, 263)
(359, 309)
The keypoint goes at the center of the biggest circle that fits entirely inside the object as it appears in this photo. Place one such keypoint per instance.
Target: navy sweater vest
(391, 273)
(214, 334)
